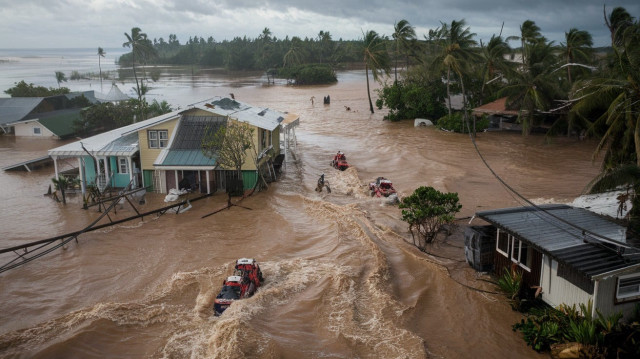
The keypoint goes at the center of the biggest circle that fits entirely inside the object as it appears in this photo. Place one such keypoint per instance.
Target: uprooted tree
(229, 145)
(426, 211)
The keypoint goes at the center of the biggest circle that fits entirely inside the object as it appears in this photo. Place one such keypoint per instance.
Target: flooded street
(341, 280)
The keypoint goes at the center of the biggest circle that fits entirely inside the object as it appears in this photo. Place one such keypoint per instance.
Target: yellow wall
(149, 155)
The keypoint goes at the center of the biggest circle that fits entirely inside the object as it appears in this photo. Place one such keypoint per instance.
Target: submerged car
(242, 284)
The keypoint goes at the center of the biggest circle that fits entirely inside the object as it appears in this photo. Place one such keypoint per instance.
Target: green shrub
(456, 123)
(510, 282)
(313, 74)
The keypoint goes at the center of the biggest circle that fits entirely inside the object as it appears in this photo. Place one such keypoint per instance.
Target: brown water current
(341, 279)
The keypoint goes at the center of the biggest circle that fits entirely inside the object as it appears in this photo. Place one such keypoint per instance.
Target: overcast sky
(93, 23)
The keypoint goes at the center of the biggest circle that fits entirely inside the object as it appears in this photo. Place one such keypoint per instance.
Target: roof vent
(261, 113)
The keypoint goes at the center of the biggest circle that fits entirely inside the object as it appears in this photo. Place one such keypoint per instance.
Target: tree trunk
(366, 71)
(448, 92)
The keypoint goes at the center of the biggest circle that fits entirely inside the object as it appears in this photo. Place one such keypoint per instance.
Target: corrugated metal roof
(100, 141)
(59, 122)
(192, 129)
(260, 117)
(16, 108)
(567, 239)
(186, 158)
(123, 146)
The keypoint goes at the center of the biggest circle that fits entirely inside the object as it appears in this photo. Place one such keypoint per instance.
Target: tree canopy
(426, 210)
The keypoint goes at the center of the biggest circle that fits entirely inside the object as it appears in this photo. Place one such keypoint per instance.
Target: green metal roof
(187, 158)
(60, 122)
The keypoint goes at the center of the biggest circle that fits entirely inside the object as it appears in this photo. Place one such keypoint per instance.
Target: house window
(37, 131)
(158, 138)
(264, 139)
(502, 244)
(628, 287)
(521, 253)
(123, 165)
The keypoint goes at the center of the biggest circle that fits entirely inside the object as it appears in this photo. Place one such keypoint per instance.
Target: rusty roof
(497, 107)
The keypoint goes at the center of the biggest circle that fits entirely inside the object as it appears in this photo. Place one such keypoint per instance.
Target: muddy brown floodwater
(341, 280)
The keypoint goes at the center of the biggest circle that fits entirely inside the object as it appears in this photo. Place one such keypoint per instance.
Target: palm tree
(403, 35)
(529, 35)
(494, 60)
(375, 57)
(618, 20)
(60, 77)
(61, 184)
(101, 53)
(618, 100)
(455, 46)
(533, 86)
(576, 48)
(296, 54)
(141, 48)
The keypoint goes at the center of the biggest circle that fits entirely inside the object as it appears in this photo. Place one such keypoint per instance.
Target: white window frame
(37, 131)
(163, 138)
(158, 138)
(152, 138)
(517, 257)
(123, 165)
(498, 244)
(628, 296)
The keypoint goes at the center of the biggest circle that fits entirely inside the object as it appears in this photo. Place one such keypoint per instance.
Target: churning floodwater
(341, 279)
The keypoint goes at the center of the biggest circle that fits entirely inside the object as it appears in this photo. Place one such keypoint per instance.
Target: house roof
(114, 95)
(260, 117)
(577, 237)
(497, 107)
(14, 109)
(59, 122)
(102, 143)
(89, 95)
(184, 149)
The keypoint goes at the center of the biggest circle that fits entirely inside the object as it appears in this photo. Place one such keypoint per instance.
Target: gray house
(574, 255)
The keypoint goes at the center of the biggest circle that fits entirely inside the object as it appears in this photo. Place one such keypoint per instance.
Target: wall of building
(557, 290)
(605, 300)
(149, 155)
(26, 130)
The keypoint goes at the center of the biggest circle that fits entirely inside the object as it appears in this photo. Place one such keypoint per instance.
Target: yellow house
(171, 155)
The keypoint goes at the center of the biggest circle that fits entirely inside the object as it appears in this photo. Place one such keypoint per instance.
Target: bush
(456, 123)
(314, 74)
(427, 210)
(602, 336)
(410, 100)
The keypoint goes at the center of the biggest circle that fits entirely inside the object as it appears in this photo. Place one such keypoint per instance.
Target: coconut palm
(61, 184)
(494, 62)
(454, 44)
(618, 99)
(576, 49)
(403, 35)
(617, 22)
(529, 35)
(375, 57)
(60, 77)
(296, 54)
(101, 53)
(142, 49)
(533, 86)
